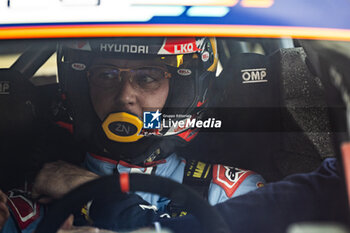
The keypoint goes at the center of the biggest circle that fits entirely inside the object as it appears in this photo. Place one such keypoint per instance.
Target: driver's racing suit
(316, 199)
(224, 183)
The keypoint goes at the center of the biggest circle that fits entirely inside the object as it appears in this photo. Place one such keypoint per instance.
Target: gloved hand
(126, 212)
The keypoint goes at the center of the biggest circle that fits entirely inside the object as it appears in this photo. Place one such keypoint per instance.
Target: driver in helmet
(117, 91)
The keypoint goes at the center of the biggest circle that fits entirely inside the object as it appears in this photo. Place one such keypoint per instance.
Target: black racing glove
(119, 213)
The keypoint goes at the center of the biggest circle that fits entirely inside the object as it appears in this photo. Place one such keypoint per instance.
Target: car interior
(276, 110)
(283, 123)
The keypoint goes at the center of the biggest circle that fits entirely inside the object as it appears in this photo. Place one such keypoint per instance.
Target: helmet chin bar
(119, 136)
(122, 127)
(146, 150)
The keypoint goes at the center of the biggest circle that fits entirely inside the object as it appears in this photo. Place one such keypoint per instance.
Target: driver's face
(130, 86)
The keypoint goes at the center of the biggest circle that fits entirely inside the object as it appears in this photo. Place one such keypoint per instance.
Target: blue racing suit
(138, 209)
(317, 196)
(222, 186)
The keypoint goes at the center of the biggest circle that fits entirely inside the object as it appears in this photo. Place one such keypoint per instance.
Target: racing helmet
(191, 65)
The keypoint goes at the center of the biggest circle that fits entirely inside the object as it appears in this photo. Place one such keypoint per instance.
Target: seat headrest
(247, 82)
(246, 99)
(250, 95)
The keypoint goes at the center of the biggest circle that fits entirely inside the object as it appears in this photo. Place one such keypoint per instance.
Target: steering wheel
(207, 215)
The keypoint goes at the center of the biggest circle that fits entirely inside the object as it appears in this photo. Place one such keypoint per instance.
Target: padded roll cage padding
(182, 194)
(33, 58)
(21, 100)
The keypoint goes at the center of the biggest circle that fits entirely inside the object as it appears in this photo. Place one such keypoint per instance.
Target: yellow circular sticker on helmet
(122, 127)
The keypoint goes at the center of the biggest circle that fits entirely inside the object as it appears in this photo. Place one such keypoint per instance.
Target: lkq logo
(178, 46)
(152, 120)
(184, 48)
(254, 75)
(4, 87)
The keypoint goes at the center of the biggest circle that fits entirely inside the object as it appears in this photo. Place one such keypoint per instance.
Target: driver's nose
(126, 97)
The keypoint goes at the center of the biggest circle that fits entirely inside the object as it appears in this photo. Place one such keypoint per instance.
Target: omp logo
(123, 48)
(254, 75)
(4, 87)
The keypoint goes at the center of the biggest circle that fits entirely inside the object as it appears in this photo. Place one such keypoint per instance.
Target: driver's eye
(147, 82)
(146, 79)
(108, 75)
(149, 74)
(103, 77)
(149, 78)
